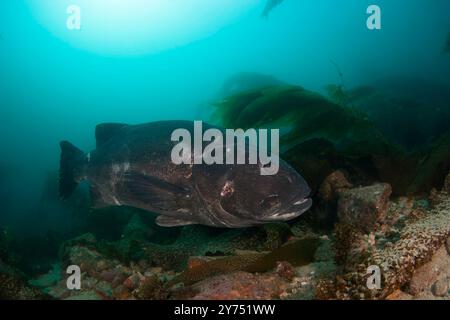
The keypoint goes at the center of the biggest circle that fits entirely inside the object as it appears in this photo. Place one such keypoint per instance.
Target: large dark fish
(271, 4)
(132, 166)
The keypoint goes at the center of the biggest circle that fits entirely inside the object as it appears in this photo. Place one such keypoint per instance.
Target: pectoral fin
(154, 192)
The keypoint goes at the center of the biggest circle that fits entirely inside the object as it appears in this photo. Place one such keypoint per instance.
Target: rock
(86, 295)
(108, 275)
(416, 258)
(333, 185)
(440, 288)
(156, 270)
(104, 290)
(241, 285)
(199, 261)
(151, 288)
(121, 293)
(82, 256)
(118, 280)
(399, 295)
(87, 239)
(363, 208)
(13, 287)
(428, 274)
(132, 282)
(447, 245)
(102, 265)
(435, 197)
(446, 187)
(285, 270)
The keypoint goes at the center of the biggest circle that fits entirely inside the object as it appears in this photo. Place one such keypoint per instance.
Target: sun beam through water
(123, 27)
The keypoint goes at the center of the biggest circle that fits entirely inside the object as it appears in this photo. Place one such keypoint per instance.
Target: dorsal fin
(105, 131)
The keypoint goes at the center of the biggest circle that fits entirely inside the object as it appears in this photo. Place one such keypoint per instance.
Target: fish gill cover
(359, 208)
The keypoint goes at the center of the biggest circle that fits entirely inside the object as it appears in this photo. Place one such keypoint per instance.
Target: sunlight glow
(138, 26)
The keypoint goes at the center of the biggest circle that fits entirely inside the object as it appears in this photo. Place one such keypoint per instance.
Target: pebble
(102, 265)
(156, 270)
(440, 288)
(131, 282)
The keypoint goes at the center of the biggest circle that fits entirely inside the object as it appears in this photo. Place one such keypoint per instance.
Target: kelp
(348, 97)
(301, 113)
(345, 131)
(337, 94)
(408, 111)
(245, 81)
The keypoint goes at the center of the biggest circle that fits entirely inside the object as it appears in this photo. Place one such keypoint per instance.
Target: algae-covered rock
(152, 288)
(333, 185)
(433, 166)
(14, 286)
(364, 208)
(446, 187)
(241, 286)
(399, 259)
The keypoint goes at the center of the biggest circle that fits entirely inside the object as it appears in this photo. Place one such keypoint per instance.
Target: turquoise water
(169, 62)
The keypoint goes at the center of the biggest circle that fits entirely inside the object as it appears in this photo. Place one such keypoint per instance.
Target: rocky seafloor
(407, 237)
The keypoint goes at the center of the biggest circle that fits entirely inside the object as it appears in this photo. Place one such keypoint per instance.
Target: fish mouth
(294, 210)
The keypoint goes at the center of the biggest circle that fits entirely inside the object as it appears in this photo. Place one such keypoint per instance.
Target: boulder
(447, 245)
(446, 187)
(440, 288)
(363, 208)
(333, 185)
(241, 286)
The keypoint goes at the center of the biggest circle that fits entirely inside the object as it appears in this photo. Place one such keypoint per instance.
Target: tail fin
(70, 168)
